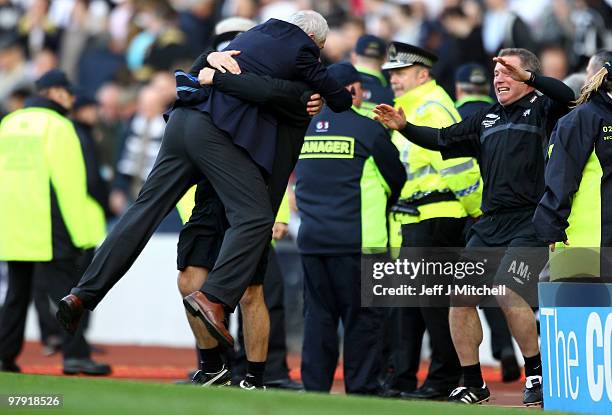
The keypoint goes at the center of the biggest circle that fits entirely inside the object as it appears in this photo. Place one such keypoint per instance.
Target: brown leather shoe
(69, 312)
(212, 314)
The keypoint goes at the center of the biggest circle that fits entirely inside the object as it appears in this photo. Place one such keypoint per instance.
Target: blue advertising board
(576, 345)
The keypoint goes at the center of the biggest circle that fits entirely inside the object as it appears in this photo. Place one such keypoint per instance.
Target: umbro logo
(490, 120)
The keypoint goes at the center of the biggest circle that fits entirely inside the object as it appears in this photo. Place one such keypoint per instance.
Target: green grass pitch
(87, 396)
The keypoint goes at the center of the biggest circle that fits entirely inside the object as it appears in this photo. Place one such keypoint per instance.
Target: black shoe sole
(193, 308)
(64, 317)
(73, 372)
(528, 405)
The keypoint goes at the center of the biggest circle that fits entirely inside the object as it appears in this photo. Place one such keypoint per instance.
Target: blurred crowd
(122, 52)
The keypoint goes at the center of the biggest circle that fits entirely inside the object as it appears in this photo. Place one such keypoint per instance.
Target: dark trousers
(276, 364)
(444, 369)
(58, 276)
(192, 147)
(406, 338)
(501, 339)
(47, 323)
(332, 295)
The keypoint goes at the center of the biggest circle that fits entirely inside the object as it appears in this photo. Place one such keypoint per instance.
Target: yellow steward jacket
(427, 173)
(39, 148)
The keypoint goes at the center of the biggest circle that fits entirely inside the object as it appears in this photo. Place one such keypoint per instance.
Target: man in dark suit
(229, 141)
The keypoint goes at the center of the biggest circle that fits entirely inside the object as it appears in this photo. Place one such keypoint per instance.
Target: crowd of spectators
(123, 51)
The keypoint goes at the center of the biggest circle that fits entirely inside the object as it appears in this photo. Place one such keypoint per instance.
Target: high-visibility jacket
(427, 173)
(575, 205)
(40, 151)
(375, 89)
(187, 202)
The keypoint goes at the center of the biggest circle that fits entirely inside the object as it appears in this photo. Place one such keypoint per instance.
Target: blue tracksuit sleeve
(310, 70)
(570, 148)
(387, 159)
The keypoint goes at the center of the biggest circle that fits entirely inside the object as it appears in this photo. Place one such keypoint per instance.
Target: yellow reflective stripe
(423, 171)
(459, 168)
(328, 147)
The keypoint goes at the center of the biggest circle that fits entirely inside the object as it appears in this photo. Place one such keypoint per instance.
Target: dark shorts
(201, 238)
(514, 254)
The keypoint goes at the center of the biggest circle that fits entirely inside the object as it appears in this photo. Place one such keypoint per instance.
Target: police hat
(403, 55)
(54, 78)
(471, 73)
(227, 29)
(344, 73)
(371, 46)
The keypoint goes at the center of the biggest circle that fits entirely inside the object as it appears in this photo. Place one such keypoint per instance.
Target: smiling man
(508, 140)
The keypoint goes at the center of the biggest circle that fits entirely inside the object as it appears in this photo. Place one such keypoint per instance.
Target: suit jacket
(280, 50)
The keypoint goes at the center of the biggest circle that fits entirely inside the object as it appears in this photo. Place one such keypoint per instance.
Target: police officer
(43, 196)
(368, 57)
(436, 199)
(471, 89)
(347, 173)
(573, 210)
(508, 139)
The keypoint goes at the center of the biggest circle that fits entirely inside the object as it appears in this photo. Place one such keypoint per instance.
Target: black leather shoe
(86, 366)
(425, 393)
(6, 366)
(390, 393)
(69, 312)
(286, 384)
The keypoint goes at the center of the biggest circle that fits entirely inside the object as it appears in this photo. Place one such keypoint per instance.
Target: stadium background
(123, 51)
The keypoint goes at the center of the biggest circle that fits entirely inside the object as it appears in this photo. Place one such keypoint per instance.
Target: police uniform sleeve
(310, 70)
(387, 159)
(68, 178)
(572, 145)
(287, 99)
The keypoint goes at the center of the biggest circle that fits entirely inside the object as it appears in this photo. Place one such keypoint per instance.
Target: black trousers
(444, 369)
(276, 364)
(332, 286)
(58, 276)
(405, 341)
(192, 147)
(46, 320)
(501, 339)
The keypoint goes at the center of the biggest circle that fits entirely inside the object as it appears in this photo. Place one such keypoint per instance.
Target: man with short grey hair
(313, 24)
